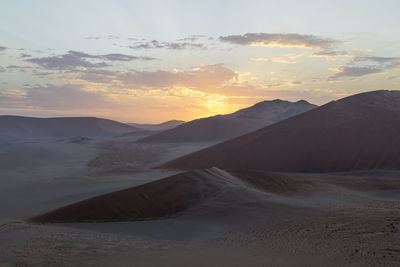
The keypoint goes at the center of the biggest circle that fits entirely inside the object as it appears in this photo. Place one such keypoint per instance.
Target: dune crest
(224, 127)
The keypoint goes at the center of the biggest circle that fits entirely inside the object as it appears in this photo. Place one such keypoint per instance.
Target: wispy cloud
(64, 62)
(93, 38)
(25, 55)
(193, 38)
(76, 59)
(295, 83)
(391, 60)
(285, 59)
(203, 78)
(365, 65)
(281, 40)
(110, 57)
(154, 44)
(12, 98)
(332, 54)
(354, 72)
(18, 68)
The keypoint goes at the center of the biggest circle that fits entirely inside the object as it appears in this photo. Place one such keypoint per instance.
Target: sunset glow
(151, 62)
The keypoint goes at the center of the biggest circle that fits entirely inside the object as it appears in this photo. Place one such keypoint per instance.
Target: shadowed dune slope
(167, 197)
(223, 127)
(172, 195)
(15, 127)
(164, 197)
(355, 133)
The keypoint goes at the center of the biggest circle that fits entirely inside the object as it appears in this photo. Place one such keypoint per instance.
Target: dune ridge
(223, 127)
(360, 132)
(175, 194)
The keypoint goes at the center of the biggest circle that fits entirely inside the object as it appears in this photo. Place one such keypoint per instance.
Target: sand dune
(355, 133)
(223, 127)
(175, 194)
(164, 197)
(16, 127)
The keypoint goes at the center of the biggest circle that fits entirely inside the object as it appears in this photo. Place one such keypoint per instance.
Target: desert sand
(232, 219)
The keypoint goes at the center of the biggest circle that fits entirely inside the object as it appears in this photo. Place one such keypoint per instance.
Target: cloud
(362, 66)
(285, 59)
(98, 75)
(112, 37)
(64, 62)
(295, 83)
(203, 78)
(154, 44)
(93, 38)
(332, 54)
(110, 57)
(77, 59)
(378, 59)
(63, 97)
(41, 73)
(24, 55)
(192, 38)
(11, 98)
(19, 68)
(122, 57)
(354, 72)
(2, 69)
(281, 40)
(2, 48)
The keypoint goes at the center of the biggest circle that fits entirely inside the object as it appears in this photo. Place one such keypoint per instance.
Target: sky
(153, 61)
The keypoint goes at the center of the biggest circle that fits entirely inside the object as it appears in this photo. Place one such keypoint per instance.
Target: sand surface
(335, 220)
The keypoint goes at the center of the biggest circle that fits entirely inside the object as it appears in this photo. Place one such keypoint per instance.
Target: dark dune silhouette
(175, 194)
(223, 127)
(15, 127)
(355, 133)
(158, 127)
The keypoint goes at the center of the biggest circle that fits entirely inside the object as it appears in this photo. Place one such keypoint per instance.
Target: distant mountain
(223, 127)
(158, 127)
(17, 127)
(359, 132)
